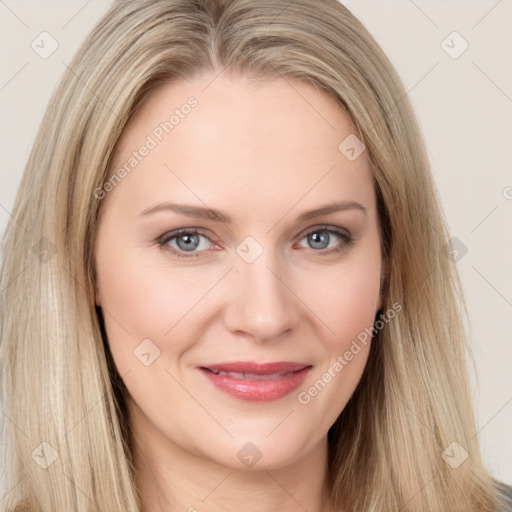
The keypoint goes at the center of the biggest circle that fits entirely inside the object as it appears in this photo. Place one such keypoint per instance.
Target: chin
(260, 452)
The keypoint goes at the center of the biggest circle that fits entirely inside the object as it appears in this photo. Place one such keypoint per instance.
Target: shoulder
(505, 494)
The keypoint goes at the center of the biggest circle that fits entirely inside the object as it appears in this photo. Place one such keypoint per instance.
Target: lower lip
(258, 390)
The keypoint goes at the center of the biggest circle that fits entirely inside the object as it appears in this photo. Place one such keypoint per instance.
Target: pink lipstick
(256, 382)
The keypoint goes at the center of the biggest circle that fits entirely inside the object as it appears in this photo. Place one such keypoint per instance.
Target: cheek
(141, 301)
(346, 300)
(356, 305)
(346, 311)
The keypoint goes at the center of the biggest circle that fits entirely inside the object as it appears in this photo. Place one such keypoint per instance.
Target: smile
(256, 382)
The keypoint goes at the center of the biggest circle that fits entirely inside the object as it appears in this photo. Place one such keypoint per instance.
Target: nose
(262, 303)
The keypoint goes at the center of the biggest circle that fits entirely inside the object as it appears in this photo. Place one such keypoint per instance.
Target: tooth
(253, 375)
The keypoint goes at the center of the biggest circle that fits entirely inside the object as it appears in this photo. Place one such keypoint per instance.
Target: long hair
(405, 441)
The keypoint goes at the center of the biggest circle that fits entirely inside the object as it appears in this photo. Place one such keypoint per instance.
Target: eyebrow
(216, 215)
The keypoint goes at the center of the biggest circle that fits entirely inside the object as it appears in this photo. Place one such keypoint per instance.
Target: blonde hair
(59, 384)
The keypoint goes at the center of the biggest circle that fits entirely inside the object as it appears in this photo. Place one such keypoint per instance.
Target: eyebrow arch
(216, 215)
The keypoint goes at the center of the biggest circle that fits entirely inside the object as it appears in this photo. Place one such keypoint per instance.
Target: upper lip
(257, 368)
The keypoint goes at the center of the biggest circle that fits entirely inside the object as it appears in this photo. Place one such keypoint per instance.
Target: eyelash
(167, 237)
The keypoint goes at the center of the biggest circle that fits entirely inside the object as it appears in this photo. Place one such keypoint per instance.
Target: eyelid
(325, 227)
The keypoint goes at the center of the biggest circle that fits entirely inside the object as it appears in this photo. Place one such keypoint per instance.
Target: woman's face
(278, 275)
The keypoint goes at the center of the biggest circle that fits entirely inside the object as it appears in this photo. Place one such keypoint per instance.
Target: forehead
(227, 137)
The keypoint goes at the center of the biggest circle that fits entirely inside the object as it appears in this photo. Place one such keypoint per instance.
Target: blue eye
(321, 238)
(191, 242)
(186, 241)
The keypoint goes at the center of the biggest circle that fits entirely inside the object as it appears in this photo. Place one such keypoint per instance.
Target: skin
(263, 154)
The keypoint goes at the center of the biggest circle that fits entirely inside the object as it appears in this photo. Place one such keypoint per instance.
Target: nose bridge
(262, 304)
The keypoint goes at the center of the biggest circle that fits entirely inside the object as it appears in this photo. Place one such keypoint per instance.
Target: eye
(191, 242)
(324, 237)
(185, 241)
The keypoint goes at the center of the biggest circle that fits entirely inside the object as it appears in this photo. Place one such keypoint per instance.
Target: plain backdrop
(455, 58)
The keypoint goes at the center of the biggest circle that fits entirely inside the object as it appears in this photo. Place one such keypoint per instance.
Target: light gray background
(464, 105)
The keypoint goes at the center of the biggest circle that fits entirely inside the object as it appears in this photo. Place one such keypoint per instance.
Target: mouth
(256, 382)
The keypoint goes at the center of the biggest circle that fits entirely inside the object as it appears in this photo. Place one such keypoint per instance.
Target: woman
(229, 242)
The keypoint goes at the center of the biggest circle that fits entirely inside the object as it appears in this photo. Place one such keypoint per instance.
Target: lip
(262, 382)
